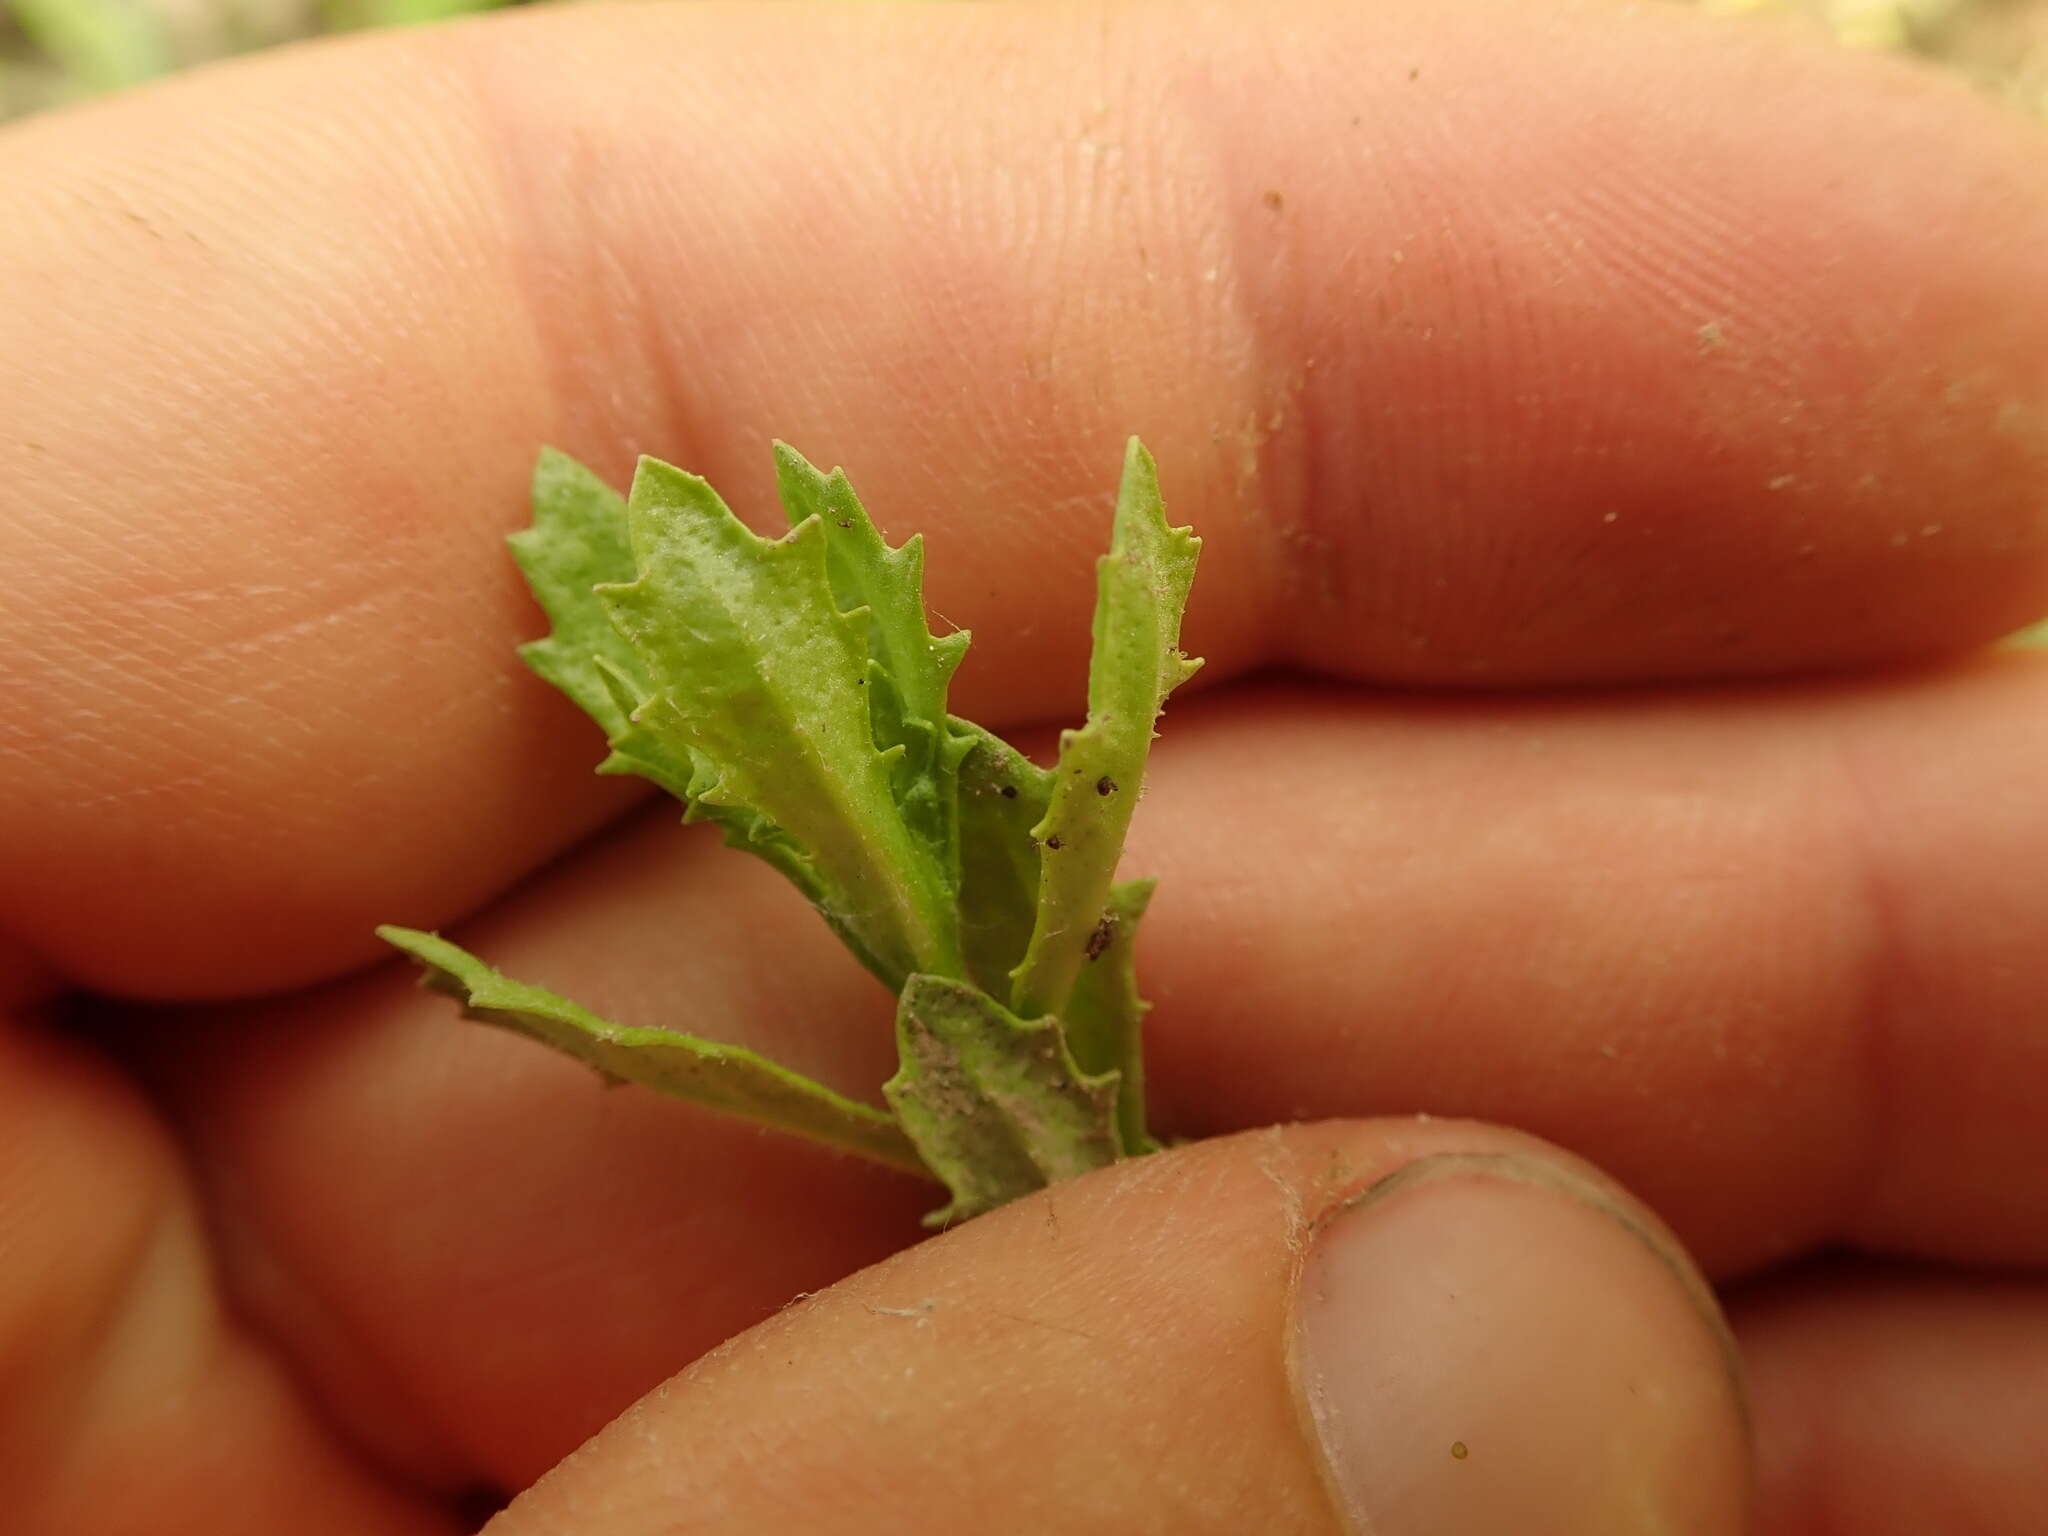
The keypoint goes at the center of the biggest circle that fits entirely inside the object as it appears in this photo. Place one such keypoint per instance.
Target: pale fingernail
(1495, 1344)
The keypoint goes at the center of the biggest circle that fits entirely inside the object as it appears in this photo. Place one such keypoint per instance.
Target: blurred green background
(52, 51)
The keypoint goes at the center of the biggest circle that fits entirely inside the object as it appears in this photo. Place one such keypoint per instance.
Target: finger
(132, 1401)
(1898, 1402)
(1646, 928)
(1774, 958)
(1370, 1327)
(1449, 401)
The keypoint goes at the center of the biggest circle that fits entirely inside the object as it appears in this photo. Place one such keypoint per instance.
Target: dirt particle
(1102, 936)
(1105, 785)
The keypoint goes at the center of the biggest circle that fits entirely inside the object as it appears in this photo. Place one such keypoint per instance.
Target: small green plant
(791, 691)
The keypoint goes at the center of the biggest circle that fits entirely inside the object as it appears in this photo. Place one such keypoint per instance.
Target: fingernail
(1487, 1343)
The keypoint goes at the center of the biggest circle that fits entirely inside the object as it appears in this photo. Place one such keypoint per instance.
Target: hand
(1495, 352)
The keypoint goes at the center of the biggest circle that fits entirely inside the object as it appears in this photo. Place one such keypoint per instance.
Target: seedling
(791, 691)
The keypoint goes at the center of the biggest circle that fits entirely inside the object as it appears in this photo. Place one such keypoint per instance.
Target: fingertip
(1496, 1342)
(1180, 1344)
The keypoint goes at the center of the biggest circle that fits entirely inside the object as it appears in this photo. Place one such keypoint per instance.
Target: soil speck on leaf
(1100, 938)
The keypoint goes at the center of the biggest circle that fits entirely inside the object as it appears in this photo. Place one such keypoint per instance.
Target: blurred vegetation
(53, 51)
(2000, 44)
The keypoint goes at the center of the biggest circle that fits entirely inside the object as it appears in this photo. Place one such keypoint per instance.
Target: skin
(1626, 430)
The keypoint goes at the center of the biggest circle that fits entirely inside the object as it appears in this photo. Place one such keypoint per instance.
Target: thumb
(1383, 1327)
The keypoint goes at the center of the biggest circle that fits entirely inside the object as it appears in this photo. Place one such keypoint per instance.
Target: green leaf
(994, 1104)
(1002, 796)
(725, 1078)
(579, 540)
(1141, 590)
(1105, 1015)
(792, 691)
(909, 668)
(761, 683)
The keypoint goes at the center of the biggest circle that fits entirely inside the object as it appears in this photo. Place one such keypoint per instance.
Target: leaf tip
(416, 942)
(552, 461)
(651, 474)
(788, 462)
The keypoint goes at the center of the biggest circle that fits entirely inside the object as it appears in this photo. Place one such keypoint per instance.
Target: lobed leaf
(761, 682)
(1141, 589)
(994, 1104)
(909, 668)
(579, 540)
